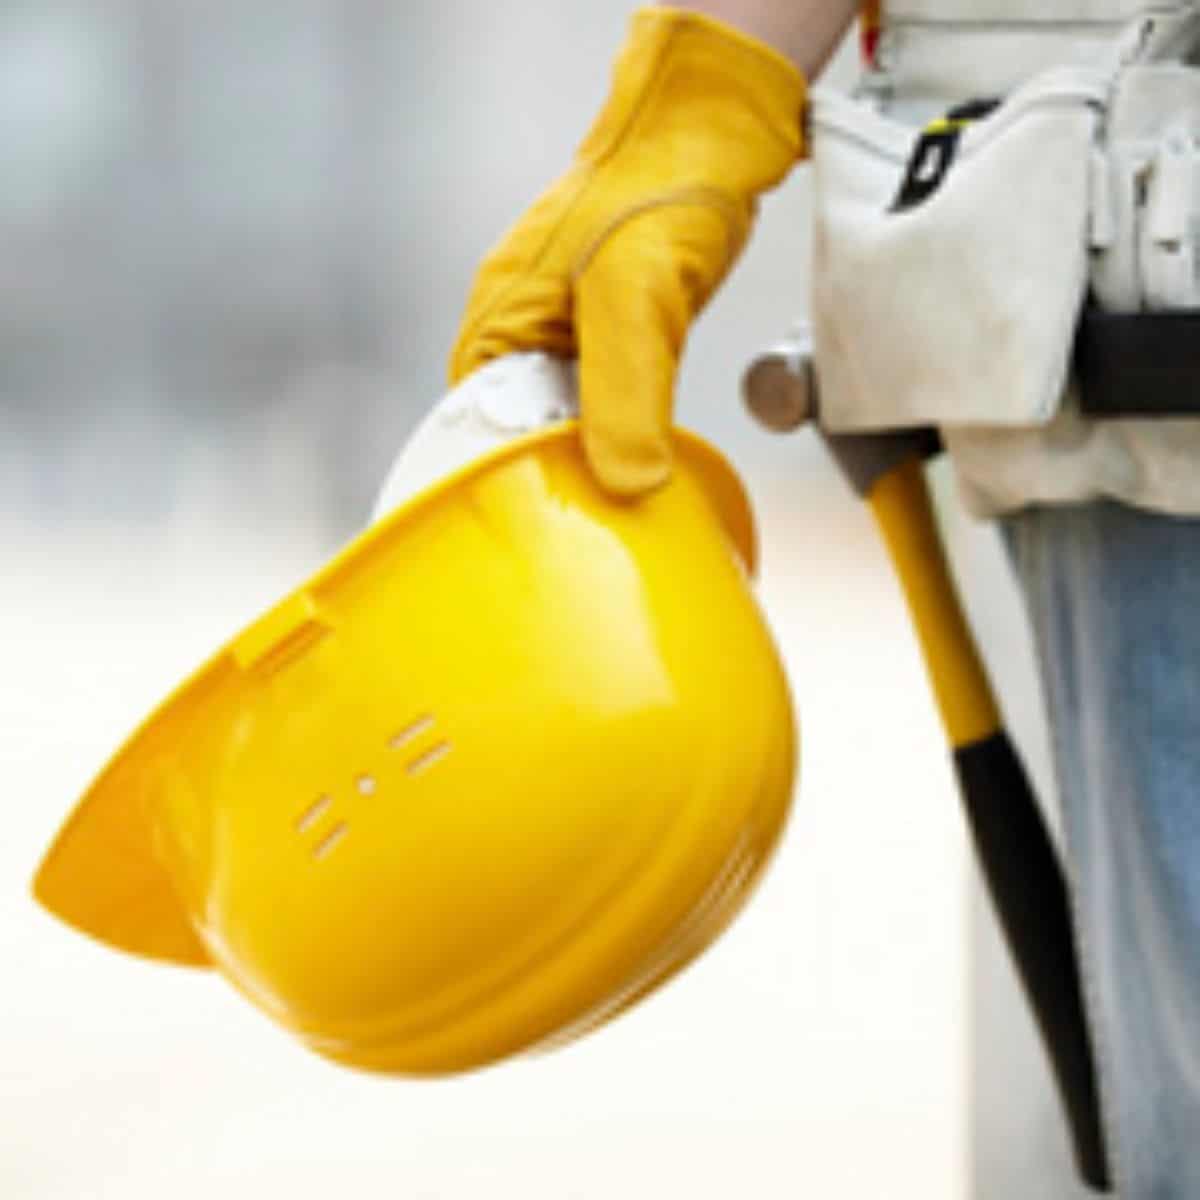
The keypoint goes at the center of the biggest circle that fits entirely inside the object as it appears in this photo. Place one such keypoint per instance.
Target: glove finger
(521, 297)
(634, 304)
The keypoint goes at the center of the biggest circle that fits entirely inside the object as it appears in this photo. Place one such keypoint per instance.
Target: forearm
(806, 31)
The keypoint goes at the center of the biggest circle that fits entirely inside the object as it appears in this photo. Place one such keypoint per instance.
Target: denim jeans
(1113, 595)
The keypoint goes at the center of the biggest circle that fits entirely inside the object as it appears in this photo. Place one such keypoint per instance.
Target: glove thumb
(634, 301)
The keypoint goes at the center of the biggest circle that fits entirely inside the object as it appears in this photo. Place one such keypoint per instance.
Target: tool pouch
(950, 265)
(1137, 353)
(1146, 230)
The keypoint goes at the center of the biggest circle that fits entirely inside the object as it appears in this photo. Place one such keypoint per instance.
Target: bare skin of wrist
(806, 31)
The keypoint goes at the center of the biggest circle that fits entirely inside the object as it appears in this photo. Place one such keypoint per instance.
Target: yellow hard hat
(507, 762)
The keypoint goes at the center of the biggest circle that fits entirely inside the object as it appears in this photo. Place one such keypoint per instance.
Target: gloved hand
(616, 259)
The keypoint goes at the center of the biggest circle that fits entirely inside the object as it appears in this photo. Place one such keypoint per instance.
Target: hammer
(1020, 865)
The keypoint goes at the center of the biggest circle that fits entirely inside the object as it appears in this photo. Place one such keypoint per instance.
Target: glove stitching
(652, 86)
(700, 196)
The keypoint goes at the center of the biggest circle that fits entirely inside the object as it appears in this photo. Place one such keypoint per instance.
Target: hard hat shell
(507, 762)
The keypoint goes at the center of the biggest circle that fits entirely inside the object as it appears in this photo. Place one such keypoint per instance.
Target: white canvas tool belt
(1008, 168)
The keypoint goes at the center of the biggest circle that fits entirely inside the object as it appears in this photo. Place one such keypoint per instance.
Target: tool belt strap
(1138, 364)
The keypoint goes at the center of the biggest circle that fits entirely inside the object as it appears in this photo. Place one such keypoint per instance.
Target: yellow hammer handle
(900, 502)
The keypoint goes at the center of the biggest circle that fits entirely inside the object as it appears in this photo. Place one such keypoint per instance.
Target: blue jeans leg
(1113, 595)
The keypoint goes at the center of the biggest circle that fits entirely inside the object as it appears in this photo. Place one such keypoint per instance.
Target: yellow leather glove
(616, 259)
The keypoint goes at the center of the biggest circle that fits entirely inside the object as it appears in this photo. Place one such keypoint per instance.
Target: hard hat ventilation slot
(406, 735)
(312, 814)
(325, 846)
(424, 761)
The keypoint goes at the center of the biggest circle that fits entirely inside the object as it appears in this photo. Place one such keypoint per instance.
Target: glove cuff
(745, 93)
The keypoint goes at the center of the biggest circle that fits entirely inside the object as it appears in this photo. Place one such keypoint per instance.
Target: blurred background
(234, 243)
